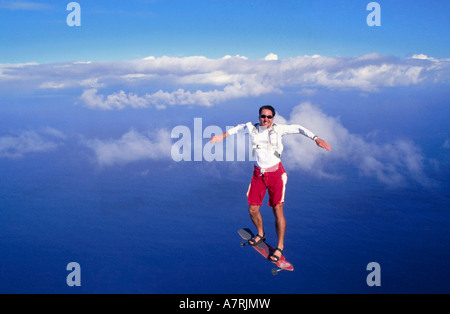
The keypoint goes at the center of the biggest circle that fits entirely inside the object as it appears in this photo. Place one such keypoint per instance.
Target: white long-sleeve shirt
(267, 143)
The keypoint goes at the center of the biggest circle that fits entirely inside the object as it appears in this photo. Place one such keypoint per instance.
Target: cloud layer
(169, 81)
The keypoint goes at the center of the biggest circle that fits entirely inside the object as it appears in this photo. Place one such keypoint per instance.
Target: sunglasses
(264, 116)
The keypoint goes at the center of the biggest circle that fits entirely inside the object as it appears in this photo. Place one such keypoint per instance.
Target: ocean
(171, 228)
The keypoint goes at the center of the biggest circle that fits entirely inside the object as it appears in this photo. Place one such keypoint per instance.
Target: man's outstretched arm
(218, 138)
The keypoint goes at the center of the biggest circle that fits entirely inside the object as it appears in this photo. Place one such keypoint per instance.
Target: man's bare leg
(257, 220)
(280, 227)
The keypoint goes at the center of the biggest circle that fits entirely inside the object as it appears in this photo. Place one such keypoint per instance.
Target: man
(269, 173)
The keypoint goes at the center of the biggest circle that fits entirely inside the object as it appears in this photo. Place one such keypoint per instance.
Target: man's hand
(321, 143)
(217, 138)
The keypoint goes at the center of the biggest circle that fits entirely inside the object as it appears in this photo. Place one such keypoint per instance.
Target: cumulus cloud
(271, 57)
(118, 100)
(131, 147)
(161, 99)
(27, 142)
(391, 163)
(167, 81)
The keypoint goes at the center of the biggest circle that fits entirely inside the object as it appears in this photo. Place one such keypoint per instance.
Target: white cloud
(118, 100)
(391, 163)
(52, 85)
(11, 72)
(161, 99)
(422, 56)
(197, 80)
(26, 142)
(271, 57)
(131, 147)
(240, 77)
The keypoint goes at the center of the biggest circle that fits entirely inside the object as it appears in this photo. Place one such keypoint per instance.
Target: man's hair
(267, 108)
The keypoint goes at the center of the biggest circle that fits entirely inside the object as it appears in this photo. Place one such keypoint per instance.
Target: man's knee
(253, 209)
(278, 210)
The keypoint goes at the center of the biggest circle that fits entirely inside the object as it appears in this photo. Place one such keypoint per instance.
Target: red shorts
(274, 181)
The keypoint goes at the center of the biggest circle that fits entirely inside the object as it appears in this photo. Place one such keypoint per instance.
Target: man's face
(264, 118)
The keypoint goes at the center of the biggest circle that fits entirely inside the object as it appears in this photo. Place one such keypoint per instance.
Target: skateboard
(265, 250)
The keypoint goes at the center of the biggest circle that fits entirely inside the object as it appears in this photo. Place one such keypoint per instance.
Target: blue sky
(116, 30)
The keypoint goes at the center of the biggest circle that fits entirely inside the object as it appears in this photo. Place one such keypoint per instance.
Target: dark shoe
(274, 258)
(253, 241)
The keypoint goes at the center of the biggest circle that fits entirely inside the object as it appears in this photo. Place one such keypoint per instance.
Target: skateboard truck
(276, 271)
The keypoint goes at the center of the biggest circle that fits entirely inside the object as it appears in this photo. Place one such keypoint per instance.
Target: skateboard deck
(265, 250)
